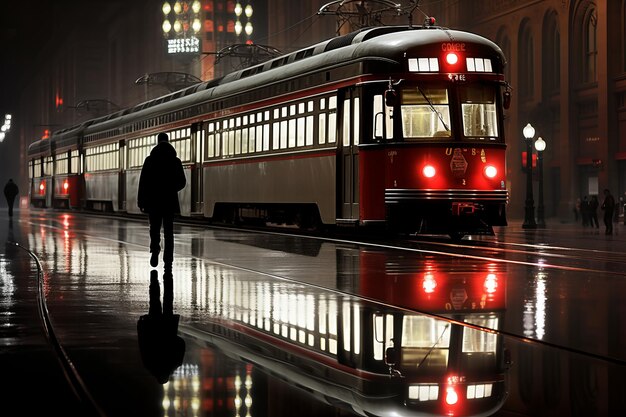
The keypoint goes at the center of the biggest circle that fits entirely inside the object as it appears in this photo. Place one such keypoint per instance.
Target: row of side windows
(292, 126)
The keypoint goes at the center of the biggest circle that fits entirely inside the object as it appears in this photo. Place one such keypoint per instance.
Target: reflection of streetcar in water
(371, 358)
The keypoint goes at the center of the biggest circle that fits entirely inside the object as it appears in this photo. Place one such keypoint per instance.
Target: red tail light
(490, 171)
(429, 171)
(66, 185)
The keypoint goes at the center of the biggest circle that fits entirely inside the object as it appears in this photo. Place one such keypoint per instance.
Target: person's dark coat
(11, 191)
(162, 177)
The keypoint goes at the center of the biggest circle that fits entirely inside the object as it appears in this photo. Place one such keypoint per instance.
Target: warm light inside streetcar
(452, 58)
(429, 171)
(491, 171)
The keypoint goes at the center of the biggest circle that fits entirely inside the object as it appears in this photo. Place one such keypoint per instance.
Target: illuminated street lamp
(540, 146)
(529, 210)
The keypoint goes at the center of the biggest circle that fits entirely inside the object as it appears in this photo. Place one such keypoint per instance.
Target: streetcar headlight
(490, 171)
(451, 396)
(452, 58)
(66, 185)
(491, 283)
(429, 171)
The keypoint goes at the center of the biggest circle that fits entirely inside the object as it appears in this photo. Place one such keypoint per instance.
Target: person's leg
(168, 241)
(156, 220)
(10, 203)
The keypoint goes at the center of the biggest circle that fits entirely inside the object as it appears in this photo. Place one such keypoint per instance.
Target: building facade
(566, 67)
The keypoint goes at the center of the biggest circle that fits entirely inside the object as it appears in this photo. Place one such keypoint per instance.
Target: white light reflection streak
(534, 316)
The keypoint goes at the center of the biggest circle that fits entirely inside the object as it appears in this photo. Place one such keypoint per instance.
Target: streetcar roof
(387, 43)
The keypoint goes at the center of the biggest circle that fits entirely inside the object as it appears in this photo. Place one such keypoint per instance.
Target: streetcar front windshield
(478, 106)
(425, 342)
(425, 113)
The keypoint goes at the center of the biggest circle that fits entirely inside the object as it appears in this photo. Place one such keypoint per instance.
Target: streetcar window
(275, 135)
(266, 135)
(244, 141)
(259, 138)
(379, 117)
(475, 341)
(309, 130)
(425, 113)
(346, 122)
(237, 140)
(283, 134)
(211, 141)
(478, 105)
(292, 133)
(301, 131)
(251, 138)
(322, 128)
(332, 127)
(356, 120)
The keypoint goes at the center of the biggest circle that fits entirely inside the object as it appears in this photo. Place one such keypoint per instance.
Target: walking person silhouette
(10, 192)
(608, 206)
(162, 177)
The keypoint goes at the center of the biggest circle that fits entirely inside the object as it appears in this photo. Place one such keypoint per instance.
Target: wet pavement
(524, 323)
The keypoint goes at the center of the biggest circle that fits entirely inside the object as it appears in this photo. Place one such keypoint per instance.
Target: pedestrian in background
(608, 206)
(162, 177)
(10, 192)
(577, 210)
(584, 211)
(593, 211)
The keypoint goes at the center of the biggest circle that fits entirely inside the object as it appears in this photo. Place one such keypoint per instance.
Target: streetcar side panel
(307, 179)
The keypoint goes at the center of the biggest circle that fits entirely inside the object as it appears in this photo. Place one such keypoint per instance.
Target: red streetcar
(400, 127)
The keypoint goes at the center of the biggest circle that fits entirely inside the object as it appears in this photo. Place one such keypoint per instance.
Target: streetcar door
(348, 163)
(121, 185)
(197, 146)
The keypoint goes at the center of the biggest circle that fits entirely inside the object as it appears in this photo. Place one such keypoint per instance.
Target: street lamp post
(529, 209)
(540, 146)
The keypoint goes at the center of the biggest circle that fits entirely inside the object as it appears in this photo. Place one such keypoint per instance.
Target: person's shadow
(162, 350)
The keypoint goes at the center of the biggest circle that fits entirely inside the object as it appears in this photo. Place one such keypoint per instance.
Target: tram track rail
(73, 377)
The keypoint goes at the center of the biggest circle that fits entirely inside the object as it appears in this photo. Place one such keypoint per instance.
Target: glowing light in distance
(167, 26)
(429, 171)
(452, 58)
(166, 8)
(491, 171)
(42, 187)
(66, 185)
(196, 25)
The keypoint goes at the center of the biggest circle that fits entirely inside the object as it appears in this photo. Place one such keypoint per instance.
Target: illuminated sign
(183, 45)
(453, 46)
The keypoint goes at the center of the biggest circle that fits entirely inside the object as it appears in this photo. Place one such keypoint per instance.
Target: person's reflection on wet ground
(162, 350)
(10, 244)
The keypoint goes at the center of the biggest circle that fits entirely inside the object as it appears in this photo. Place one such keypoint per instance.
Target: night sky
(25, 29)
